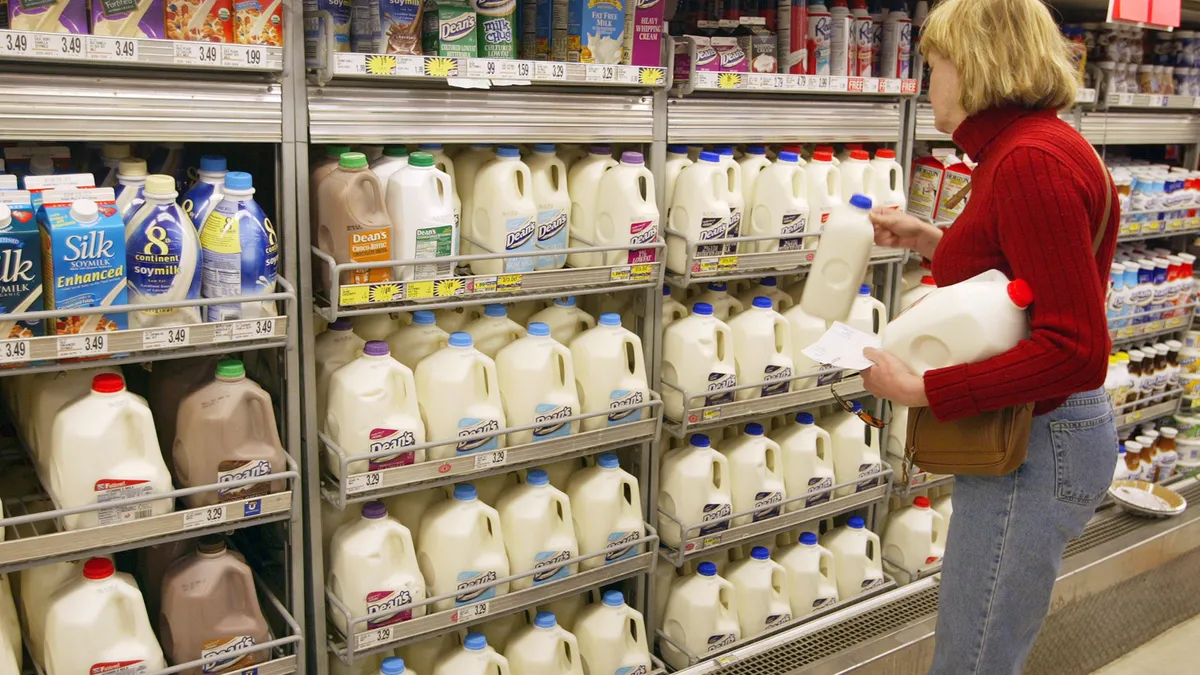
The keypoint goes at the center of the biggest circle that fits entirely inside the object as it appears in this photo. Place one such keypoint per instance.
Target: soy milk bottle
(762, 591)
(807, 460)
(612, 637)
(421, 205)
(610, 373)
(762, 350)
(461, 550)
(412, 343)
(756, 474)
(538, 386)
(841, 259)
(583, 184)
(701, 616)
(131, 185)
(628, 212)
(607, 511)
(163, 257)
(565, 319)
(694, 489)
(544, 648)
(699, 211)
(912, 541)
(334, 348)
(856, 558)
(373, 570)
(855, 452)
(475, 658)
(779, 205)
(538, 518)
(505, 215)
(811, 576)
(553, 204)
(698, 357)
(205, 193)
(459, 395)
(492, 331)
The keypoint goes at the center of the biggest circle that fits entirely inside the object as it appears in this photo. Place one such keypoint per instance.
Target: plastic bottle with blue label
(461, 550)
(583, 183)
(541, 534)
(779, 205)
(537, 386)
(701, 616)
(505, 214)
(241, 252)
(204, 195)
(694, 490)
(840, 261)
(545, 648)
(163, 258)
(763, 595)
(608, 511)
(131, 184)
(856, 556)
(612, 637)
(756, 474)
(553, 204)
(459, 395)
(812, 577)
(610, 373)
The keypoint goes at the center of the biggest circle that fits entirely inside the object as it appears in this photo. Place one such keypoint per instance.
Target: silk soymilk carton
(595, 30)
(36, 185)
(20, 263)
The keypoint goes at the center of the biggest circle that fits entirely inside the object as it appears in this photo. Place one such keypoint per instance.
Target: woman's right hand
(895, 228)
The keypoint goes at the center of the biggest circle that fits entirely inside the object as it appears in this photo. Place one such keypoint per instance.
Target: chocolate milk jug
(169, 382)
(352, 219)
(210, 608)
(226, 432)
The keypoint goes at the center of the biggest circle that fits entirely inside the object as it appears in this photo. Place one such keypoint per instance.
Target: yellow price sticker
(709, 265)
(1134, 228)
(641, 272)
(483, 285)
(420, 290)
(448, 288)
(387, 293)
(619, 274)
(727, 262)
(509, 282)
(712, 414)
(354, 295)
(711, 541)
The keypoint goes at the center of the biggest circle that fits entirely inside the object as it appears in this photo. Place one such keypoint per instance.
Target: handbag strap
(1098, 240)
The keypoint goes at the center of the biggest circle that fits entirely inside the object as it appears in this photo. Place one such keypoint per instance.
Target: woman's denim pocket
(1085, 453)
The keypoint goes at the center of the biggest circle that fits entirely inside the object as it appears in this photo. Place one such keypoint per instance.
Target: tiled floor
(1161, 656)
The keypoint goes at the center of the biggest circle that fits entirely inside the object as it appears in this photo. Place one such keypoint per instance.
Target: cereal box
(39, 184)
(128, 18)
(48, 16)
(203, 20)
(595, 30)
(258, 22)
(450, 29)
(83, 261)
(20, 267)
(497, 28)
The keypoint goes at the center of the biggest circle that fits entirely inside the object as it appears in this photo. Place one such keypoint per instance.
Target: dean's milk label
(233, 470)
(777, 379)
(551, 234)
(224, 649)
(794, 222)
(619, 546)
(470, 587)
(385, 608)
(543, 566)
(471, 426)
(717, 382)
(497, 28)
(815, 484)
(241, 254)
(620, 398)
(716, 512)
(520, 235)
(711, 228)
(767, 499)
(389, 445)
(640, 233)
(551, 415)
(716, 642)
(867, 471)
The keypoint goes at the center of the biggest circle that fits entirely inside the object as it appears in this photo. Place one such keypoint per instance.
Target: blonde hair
(1005, 51)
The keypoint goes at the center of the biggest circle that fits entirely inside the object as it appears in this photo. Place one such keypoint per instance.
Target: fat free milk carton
(595, 31)
(20, 266)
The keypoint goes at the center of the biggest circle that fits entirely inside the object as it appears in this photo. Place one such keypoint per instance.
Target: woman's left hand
(890, 379)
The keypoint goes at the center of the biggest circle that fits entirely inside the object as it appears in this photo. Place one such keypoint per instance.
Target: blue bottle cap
(760, 553)
(666, 291)
(712, 157)
(495, 310)
(238, 180)
(475, 642)
(545, 620)
(808, 538)
(707, 569)
(769, 282)
(754, 429)
(762, 302)
(539, 329)
(460, 339)
(805, 418)
(543, 147)
(430, 146)
(608, 461)
(702, 308)
(717, 286)
(789, 157)
(856, 406)
(756, 150)
(424, 317)
(537, 477)
(610, 319)
(677, 149)
(465, 492)
(392, 665)
(725, 151)
(700, 440)
(861, 202)
(856, 522)
(213, 163)
(614, 598)
(508, 151)
(568, 301)
(865, 289)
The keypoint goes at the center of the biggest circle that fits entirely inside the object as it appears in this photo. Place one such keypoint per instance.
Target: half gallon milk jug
(607, 511)
(807, 460)
(538, 386)
(97, 623)
(961, 323)
(610, 373)
(565, 319)
(889, 180)
(446, 165)
(131, 184)
(855, 452)
(734, 196)
(420, 202)
(677, 159)
(824, 190)
(505, 219)
(461, 550)
(11, 655)
(755, 473)
(701, 616)
(768, 287)
(210, 608)
(583, 184)
(553, 205)
(162, 251)
(911, 296)
(672, 309)
(858, 176)
(840, 261)
(779, 206)
(373, 409)
(352, 220)
(409, 344)
(492, 331)
(226, 432)
(612, 637)
(475, 658)
(205, 193)
(811, 576)
(762, 591)
(124, 461)
(912, 541)
(240, 252)
(694, 489)
(545, 648)
(409, 508)
(394, 157)
(628, 212)
(762, 350)
(459, 396)
(373, 570)
(753, 163)
(866, 313)
(538, 518)
(698, 357)
(466, 167)
(699, 211)
(334, 348)
(717, 296)
(856, 558)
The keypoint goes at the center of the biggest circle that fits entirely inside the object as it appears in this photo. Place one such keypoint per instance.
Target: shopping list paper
(842, 347)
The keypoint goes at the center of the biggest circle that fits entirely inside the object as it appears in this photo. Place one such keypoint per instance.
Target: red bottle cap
(823, 156)
(859, 154)
(884, 153)
(921, 502)
(98, 568)
(928, 281)
(1020, 293)
(108, 383)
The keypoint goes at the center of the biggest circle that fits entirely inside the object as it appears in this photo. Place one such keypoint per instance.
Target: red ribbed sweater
(1036, 200)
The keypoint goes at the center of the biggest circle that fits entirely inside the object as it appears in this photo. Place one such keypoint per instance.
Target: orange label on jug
(370, 246)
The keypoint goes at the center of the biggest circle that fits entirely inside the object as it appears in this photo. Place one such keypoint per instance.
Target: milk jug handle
(447, 189)
(356, 179)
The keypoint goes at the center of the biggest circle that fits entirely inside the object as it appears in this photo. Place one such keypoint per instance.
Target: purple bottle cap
(376, 348)
(632, 157)
(374, 510)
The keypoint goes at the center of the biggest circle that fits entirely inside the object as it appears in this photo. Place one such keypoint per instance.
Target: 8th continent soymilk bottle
(762, 350)
(856, 558)
(628, 212)
(97, 623)
(694, 489)
(889, 180)
(373, 570)
(565, 319)
(537, 386)
(125, 461)
(672, 309)
(779, 205)
(162, 253)
(545, 648)
(912, 541)
(583, 184)
(459, 395)
(505, 219)
(412, 343)
(131, 181)
(762, 591)
(461, 550)
(352, 219)
(204, 195)
(699, 211)
(241, 252)
(420, 202)
(755, 473)
(701, 616)
(753, 163)
(607, 511)
(841, 259)
(610, 373)
(334, 348)
(677, 159)
(494, 330)
(698, 357)
(855, 452)
(612, 637)
(373, 409)
(553, 204)
(811, 576)
(807, 460)
(475, 657)
(538, 518)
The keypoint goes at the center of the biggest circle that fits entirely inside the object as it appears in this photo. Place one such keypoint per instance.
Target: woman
(1000, 71)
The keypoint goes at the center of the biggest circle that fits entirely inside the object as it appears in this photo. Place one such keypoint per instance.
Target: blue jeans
(1007, 537)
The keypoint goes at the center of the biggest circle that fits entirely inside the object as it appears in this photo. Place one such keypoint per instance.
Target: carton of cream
(643, 33)
(83, 258)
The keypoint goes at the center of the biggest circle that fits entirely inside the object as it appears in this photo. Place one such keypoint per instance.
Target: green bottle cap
(336, 150)
(230, 368)
(395, 151)
(423, 159)
(353, 160)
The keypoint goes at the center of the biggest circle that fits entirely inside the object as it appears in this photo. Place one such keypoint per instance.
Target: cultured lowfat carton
(451, 29)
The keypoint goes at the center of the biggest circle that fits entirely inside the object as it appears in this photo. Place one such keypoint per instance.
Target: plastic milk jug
(49, 394)
(855, 451)
(961, 323)
(768, 287)
(677, 159)
(499, 631)
(889, 180)
(334, 348)
(353, 224)
(131, 183)
(627, 213)
(538, 386)
(163, 257)
(698, 357)
(373, 409)
(610, 373)
(538, 518)
(377, 326)
(779, 205)
(421, 204)
(409, 344)
(373, 570)
(734, 196)
(505, 216)
(459, 395)
(811, 576)
(37, 585)
(911, 541)
(762, 591)
(856, 558)
(840, 261)
(699, 211)
(755, 474)
(805, 330)
(701, 616)
(944, 506)
(824, 190)
(553, 205)
(461, 550)
(409, 508)
(569, 608)
(694, 489)
(672, 309)
(205, 193)
(753, 163)
(125, 461)
(394, 157)
(612, 637)
(11, 654)
(423, 656)
(807, 460)
(858, 176)
(560, 472)
(583, 184)
(475, 658)
(545, 648)
(446, 165)
(866, 313)
(911, 296)
(492, 331)
(607, 511)
(762, 350)
(717, 296)
(466, 166)
(565, 319)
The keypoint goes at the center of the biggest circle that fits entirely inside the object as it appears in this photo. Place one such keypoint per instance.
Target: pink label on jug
(386, 442)
(388, 604)
(645, 232)
(118, 668)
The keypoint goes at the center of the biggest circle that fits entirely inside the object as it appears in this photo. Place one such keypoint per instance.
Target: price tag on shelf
(493, 458)
(822, 83)
(483, 68)
(59, 45)
(14, 351)
(372, 638)
(349, 64)
(891, 85)
(711, 541)
(166, 338)
(509, 282)
(1158, 101)
(197, 53)
(601, 73)
(516, 70)
(74, 346)
(839, 84)
(641, 272)
(872, 85)
(111, 48)
(619, 273)
(471, 612)
(209, 515)
(363, 482)
(256, 329)
(243, 56)
(727, 263)
(547, 70)
(17, 44)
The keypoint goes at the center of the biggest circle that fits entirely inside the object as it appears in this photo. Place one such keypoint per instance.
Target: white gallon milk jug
(677, 159)
(49, 393)
(420, 201)
(695, 489)
(466, 167)
(897, 431)
(768, 287)
(412, 343)
(97, 622)
(961, 323)
(373, 570)
(807, 460)
(553, 204)
(394, 157)
(734, 196)
(753, 163)
(565, 319)
(568, 609)
(492, 331)
(943, 506)
(545, 648)
(489, 488)
(373, 409)
(805, 330)
(376, 326)
(461, 550)
(699, 211)
(475, 658)
(628, 212)
(855, 452)
(779, 206)
(371, 664)
(672, 309)
(499, 631)
(856, 558)
(11, 655)
(612, 637)
(717, 296)
(889, 180)
(701, 616)
(125, 461)
(762, 350)
(446, 165)
(560, 472)
(505, 216)
(858, 176)
(824, 190)
(607, 509)
(583, 183)
(755, 474)
(912, 541)
(409, 508)
(762, 591)
(334, 348)
(459, 395)
(538, 386)
(610, 373)
(811, 576)
(697, 356)
(37, 585)
(923, 288)
(394, 665)
(866, 313)
(541, 530)
(841, 259)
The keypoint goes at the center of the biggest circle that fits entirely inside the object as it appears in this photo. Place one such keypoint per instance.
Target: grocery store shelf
(779, 83)
(747, 265)
(1085, 95)
(1152, 329)
(482, 73)
(1127, 418)
(1140, 128)
(1139, 225)
(700, 419)
(106, 52)
(737, 119)
(1152, 101)
(918, 480)
(925, 131)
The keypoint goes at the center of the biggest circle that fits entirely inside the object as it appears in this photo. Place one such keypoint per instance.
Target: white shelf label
(547, 70)
(257, 329)
(487, 460)
(471, 612)
(350, 64)
(101, 48)
(72, 346)
(372, 638)
(363, 482)
(198, 53)
(483, 67)
(243, 56)
(166, 338)
(516, 70)
(205, 517)
(17, 44)
(601, 73)
(839, 83)
(891, 85)
(61, 45)
(14, 351)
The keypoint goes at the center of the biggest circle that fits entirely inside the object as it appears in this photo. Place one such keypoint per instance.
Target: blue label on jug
(470, 426)
(544, 566)
(620, 398)
(470, 587)
(551, 415)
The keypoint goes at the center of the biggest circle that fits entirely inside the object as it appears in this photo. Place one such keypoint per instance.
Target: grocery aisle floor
(1160, 656)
